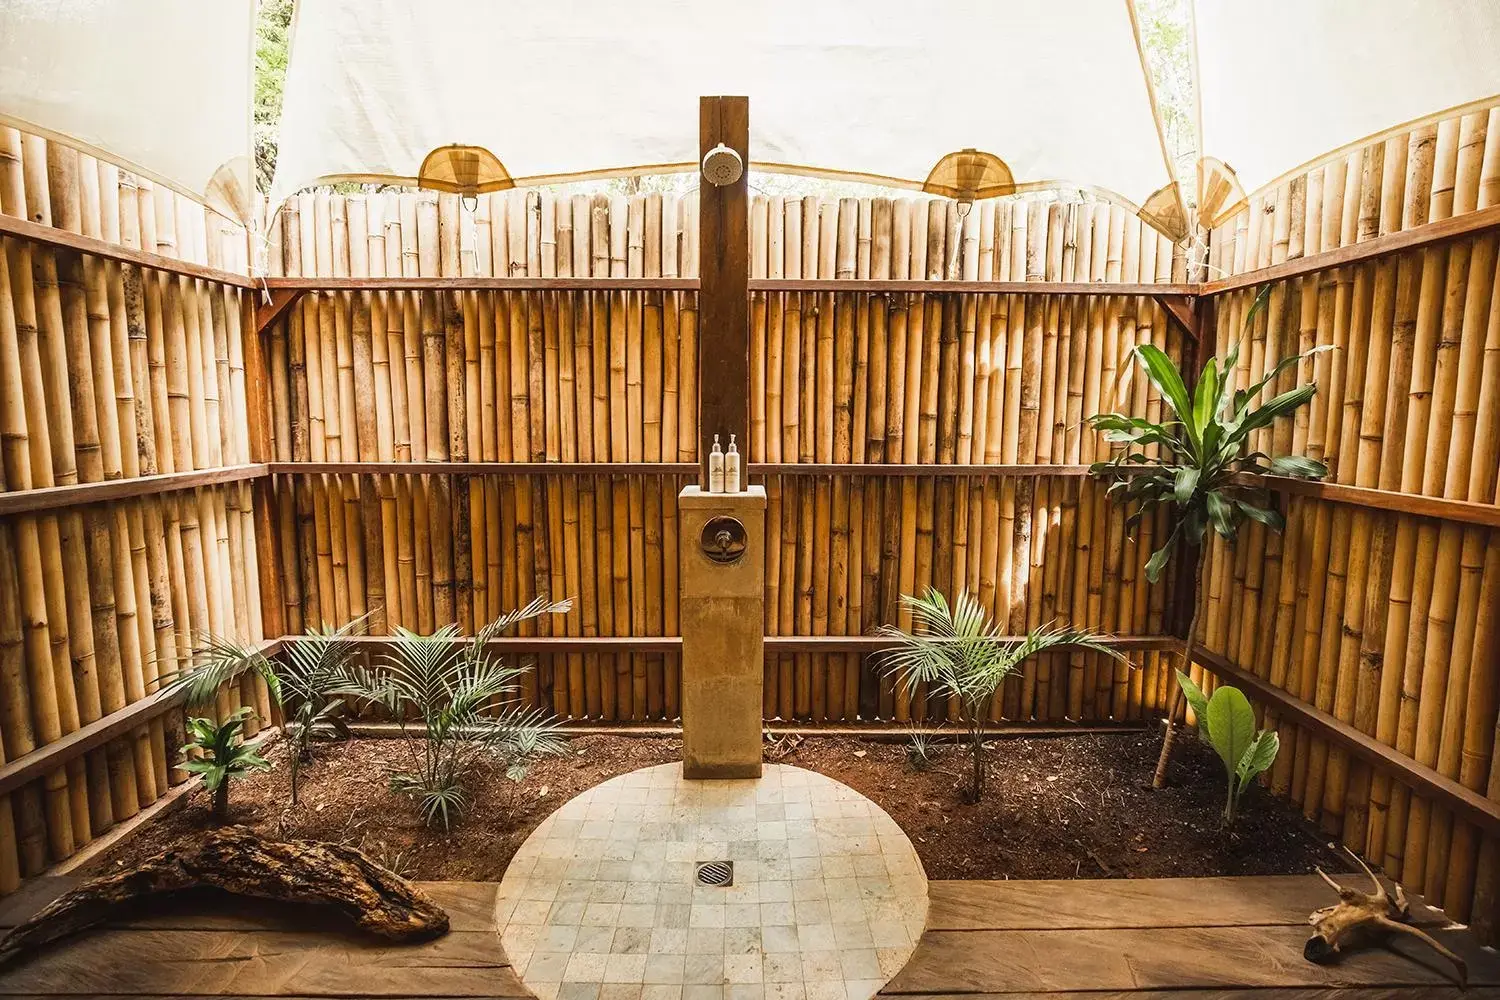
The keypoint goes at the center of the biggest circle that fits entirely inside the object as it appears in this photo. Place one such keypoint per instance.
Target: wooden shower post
(724, 290)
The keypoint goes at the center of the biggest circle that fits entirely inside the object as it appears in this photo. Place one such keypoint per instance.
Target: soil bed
(1057, 807)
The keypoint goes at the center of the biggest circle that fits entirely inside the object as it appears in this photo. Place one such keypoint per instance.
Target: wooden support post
(723, 296)
(268, 312)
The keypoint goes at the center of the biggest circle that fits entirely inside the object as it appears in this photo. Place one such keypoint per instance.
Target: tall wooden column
(724, 284)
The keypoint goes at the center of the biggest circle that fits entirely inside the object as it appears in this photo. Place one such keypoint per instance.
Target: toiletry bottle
(716, 468)
(732, 468)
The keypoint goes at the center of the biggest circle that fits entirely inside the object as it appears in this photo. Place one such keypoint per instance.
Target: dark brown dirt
(1057, 807)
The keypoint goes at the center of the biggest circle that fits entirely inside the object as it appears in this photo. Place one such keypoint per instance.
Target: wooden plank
(470, 907)
(475, 283)
(1033, 470)
(483, 468)
(550, 644)
(723, 298)
(1461, 511)
(919, 286)
(1463, 802)
(56, 497)
(1453, 228)
(1238, 993)
(1189, 958)
(1062, 904)
(25, 229)
(266, 963)
(46, 759)
(875, 643)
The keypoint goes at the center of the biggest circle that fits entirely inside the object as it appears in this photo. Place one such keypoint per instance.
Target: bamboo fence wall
(837, 379)
(109, 371)
(1385, 620)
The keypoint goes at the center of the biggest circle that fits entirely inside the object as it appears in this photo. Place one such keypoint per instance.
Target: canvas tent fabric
(869, 89)
(1284, 82)
(162, 87)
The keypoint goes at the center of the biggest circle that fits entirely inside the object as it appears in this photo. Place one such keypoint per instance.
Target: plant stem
(1159, 779)
(221, 800)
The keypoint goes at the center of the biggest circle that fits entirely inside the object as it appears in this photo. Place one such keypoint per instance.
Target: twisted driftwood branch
(237, 861)
(1362, 917)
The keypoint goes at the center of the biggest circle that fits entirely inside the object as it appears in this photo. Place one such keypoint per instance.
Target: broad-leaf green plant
(958, 651)
(224, 756)
(1201, 462)
(1226, 722)
(301, 683)
(446, 694)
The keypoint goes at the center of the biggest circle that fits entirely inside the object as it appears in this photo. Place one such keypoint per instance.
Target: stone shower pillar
(721, 555)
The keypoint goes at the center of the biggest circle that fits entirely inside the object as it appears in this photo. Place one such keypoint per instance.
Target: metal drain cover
(716, 873)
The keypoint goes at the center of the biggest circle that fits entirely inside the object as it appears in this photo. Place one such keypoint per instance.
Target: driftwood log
(235, 860)
(1364, 918)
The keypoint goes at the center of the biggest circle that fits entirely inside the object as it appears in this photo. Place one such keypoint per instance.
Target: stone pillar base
(722, 614)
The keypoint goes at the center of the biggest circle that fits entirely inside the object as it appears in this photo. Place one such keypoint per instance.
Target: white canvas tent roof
(160, 86)
(868, 89)
(874, 89)
(1285, 82)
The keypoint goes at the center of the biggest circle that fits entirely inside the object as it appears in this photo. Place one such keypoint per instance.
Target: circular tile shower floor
(826, 900)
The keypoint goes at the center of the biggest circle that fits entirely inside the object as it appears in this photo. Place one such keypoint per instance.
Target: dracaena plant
(1200, 462)
(959, 651)
(223, 755)
(301, 683)
(1226, 722)
(446, 694)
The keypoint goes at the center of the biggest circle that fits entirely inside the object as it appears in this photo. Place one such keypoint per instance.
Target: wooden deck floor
(1187, 939)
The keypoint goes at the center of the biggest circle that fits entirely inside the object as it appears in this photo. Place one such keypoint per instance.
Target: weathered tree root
(1364, 917)
(237, 861)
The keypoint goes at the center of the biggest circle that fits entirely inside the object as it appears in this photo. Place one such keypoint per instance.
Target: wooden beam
(268, 311)
(24, 229)
(925, 287)
(1465, 803)
(723, 297)
(1460, 511)
(53, 497)
(877, 643)
(912, 469)
(1182, 310)
(482, 469)
(1453, 228)
(475, 283)
(46, 759)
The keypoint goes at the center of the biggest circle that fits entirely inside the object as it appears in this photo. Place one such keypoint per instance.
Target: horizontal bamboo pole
(1427, 235)
(62, 239)
(1465, 803)
(55, 497)
(49, 758)
(481, 283)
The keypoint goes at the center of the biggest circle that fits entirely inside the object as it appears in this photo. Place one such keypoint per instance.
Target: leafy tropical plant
(301, 684)
(225, 756)
(1200, 463)
(444, 693)
(1226, 722)
(921, 749)
(959, 652)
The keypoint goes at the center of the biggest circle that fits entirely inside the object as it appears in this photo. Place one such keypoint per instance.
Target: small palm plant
(451, 688)
(1202, 466)
(224, 756)
(301, 685)
(959, 652)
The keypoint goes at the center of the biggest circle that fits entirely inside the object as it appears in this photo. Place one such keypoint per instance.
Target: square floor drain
(719, 874)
